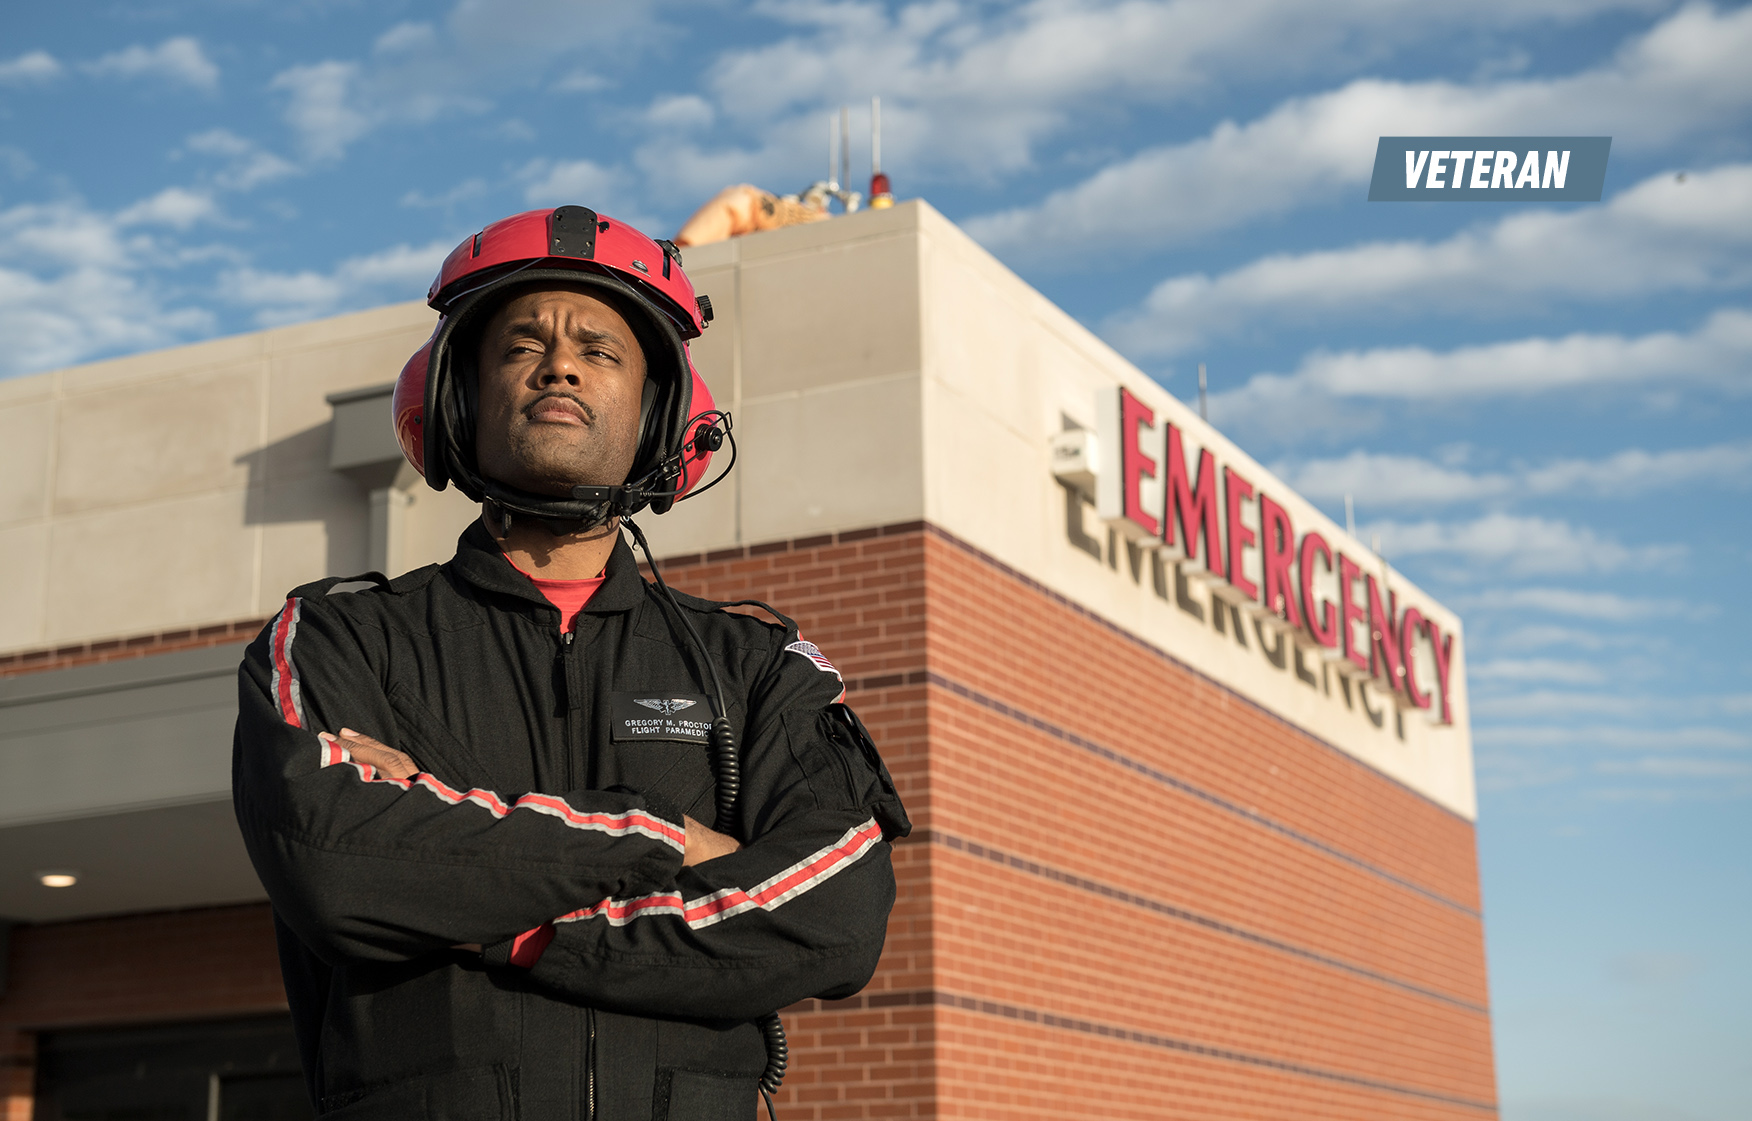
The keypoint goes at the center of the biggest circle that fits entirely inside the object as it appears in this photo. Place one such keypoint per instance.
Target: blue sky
(1545, 412)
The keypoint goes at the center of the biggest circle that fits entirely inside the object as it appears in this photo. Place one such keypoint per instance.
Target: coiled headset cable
(727, 771)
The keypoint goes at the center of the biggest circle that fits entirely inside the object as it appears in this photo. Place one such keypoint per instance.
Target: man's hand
(705, 843)
(366, 750)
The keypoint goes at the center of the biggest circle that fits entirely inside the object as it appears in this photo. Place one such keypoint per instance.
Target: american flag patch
(813, 653)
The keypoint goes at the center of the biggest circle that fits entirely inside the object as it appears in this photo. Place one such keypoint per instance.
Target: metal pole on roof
(845, 131)
(833, 142)
(1203, 410)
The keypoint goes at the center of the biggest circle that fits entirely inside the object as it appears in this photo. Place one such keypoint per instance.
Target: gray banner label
(1494, 168)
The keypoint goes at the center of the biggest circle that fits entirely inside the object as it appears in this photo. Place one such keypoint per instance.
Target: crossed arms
(366, 857)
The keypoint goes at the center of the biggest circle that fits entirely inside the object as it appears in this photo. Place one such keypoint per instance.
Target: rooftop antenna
(881, 197)
(1350, 515)
(1203, 409)
(845, 148)
(833, 146)
(839, 160)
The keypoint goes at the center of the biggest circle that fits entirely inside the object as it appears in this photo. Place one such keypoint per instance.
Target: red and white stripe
(768, 895)
(285, 681)
(332, 753)
(631, 823)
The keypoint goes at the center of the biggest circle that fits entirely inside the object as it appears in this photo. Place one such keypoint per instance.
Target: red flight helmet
(435, 396)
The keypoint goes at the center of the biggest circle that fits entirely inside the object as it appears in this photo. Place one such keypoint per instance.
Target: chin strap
(591, 507)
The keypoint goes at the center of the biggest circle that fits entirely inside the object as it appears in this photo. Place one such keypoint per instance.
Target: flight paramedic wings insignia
(667, 706)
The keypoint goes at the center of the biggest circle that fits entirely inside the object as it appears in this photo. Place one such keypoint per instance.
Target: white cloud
(1518, 545)
(680, 111)
(1661, 235)
(975, 87)
(319, 108)
(1719, 350)
(403, 37)
(290, 297)
(1686, 76)
(29, 68)
(1391, 480)
(180, 59)
(1634, 471)
(581, 81)
(1665, 766)
(248, 165)
(1518, 670)
(550, 182)
(1603, 606)
(421, 72)
(1617, 736)
(176, 207)
(608, 190)
(1652, 741)
(463, 191)
(73, 287)
(1541, 636)
(1407, 480)
(1321, 397)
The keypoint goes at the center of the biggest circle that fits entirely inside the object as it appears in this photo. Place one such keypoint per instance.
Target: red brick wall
(169, 965)
(1131, 893)
(121, 649)
(860, 596)
(1177, 905)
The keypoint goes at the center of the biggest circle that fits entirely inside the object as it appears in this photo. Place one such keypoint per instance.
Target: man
(542, 840)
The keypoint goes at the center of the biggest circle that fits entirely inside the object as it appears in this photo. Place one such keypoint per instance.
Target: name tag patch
(677, 717)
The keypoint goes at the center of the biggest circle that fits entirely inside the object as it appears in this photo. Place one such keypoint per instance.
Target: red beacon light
(881, 197)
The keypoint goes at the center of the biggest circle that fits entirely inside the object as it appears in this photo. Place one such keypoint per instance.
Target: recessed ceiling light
(57, 879)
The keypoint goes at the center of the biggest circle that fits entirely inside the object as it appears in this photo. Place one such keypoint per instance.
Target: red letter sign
(1349, 612)
(1135, 464)
(1235, 489)
(1408, 628)
(1384, 638)
(1278, 541)
(1443, 645)
(1318, 615)
(1195, 517)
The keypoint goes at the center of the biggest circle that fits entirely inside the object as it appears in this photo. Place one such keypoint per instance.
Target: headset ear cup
(671, 416)
(650, 442)
(435, 419)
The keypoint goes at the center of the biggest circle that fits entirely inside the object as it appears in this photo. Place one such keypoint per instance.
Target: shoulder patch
(813, 653)
(338, 585)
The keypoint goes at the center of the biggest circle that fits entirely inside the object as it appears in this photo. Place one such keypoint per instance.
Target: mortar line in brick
(1168, 780)
(1111, 1031)
(1071, 879)
(1151, 648)
(129, 648)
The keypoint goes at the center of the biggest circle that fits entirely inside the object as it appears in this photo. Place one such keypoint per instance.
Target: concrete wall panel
(24, 570)
(171, 437)
(145, 568)
(27, 453)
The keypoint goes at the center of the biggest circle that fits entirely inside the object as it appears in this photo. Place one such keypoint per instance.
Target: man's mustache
(553, 394)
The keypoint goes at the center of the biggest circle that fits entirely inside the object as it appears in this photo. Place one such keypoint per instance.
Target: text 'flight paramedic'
(544, 839)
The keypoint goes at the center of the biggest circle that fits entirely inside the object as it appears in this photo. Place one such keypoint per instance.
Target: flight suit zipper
(590, 1065)
(571, 709)
(573, 718)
